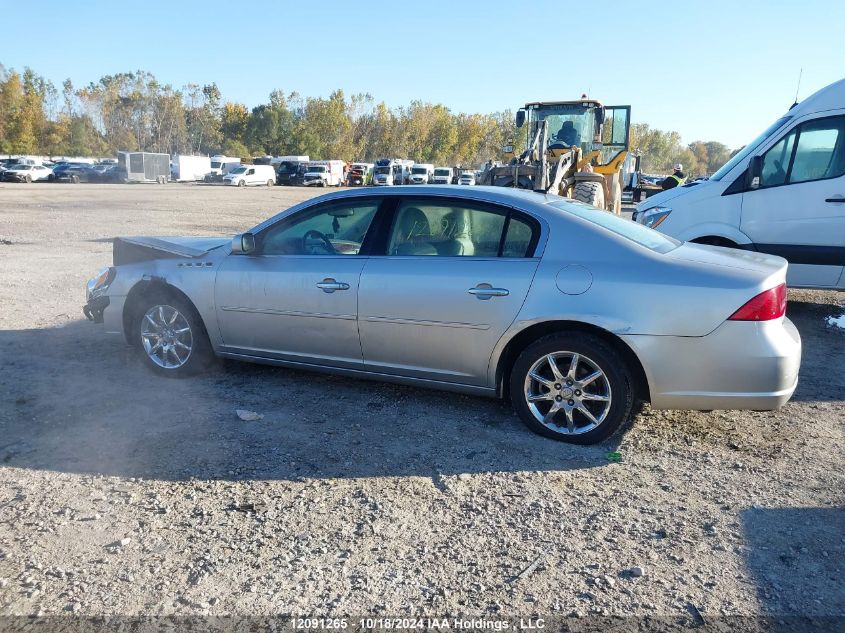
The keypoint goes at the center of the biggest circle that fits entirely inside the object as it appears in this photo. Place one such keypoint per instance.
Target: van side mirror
(754, 172)
(520, 118)
(244, 243)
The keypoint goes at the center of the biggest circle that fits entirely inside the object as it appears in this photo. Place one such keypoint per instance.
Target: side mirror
(520, 118)
(754, 172)
(244, 243)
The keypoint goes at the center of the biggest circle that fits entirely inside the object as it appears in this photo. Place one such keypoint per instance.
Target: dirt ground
(125, 493)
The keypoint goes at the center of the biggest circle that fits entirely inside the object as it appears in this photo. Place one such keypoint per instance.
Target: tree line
(134, 111)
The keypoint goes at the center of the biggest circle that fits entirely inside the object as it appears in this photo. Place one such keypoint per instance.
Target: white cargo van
(391, 171)
(783, 194)
(247, 175)
(442, 176)
(324, 173)
(421, 174)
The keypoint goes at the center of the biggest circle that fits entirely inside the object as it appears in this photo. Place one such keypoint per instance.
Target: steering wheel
(309, 249)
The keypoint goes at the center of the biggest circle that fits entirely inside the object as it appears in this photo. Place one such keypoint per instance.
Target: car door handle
(486, 291)
(836, 199)
(330, 285)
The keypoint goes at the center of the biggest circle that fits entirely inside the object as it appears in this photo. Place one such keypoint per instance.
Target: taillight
(766, 306)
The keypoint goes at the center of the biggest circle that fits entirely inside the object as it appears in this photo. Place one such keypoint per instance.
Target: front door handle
(836, 199)
(486, 291)
(330, 285)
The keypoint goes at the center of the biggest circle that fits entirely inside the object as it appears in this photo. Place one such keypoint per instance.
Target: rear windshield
(638, 233)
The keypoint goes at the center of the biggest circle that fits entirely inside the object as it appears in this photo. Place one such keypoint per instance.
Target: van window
(820, 152)
(776, 161)
(814, 150)
(753, 145)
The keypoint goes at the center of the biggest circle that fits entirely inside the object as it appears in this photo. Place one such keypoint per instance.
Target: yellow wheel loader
(575, 149)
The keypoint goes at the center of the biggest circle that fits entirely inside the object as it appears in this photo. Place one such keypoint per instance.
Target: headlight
(99, 284)
(654, 216)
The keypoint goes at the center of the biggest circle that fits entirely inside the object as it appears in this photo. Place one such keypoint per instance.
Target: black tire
(616, 383)
(201, 354)
(589, 192)
(242, 183)
(270, 183)
(74, 180)
(27, 179)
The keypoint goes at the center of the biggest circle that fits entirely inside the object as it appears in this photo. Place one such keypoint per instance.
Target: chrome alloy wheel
(167, 337)
(567, 393)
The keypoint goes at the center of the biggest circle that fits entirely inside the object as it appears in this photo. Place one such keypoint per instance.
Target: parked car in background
(467, 178)
(65, 172)
(442, 176)
(291, 169)
(783, 194)
(251, 175)
(574, 313)
(324, 173)
(359, 174)
(421, 174)
(26, 173)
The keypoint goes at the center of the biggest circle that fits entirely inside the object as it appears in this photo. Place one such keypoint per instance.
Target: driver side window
(337, 229)
(776, 161)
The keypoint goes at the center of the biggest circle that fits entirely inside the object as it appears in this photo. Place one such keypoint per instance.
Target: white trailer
(145, 166)
(186, 168)
(222, 165)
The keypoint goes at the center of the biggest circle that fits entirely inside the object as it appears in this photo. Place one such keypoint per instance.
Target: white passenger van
(783, 194)
(247, 175)
(421, 174)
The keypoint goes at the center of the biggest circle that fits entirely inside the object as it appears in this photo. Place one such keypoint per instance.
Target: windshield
(419, 170)
(638, 233)
(753, 145)
(215, 164)
(239, 170)
(318, 169)
(287, 167)
(569, 124)
(441, 172)
(382, 170)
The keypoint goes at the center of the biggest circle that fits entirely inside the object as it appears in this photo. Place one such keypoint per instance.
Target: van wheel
(27, 179)
(270, 183)
(572, 387)
(241, 183)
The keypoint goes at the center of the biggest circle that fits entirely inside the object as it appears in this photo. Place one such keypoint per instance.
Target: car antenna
(798, 87)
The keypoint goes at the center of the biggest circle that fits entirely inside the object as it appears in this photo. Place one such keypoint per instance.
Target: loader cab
(585, 124)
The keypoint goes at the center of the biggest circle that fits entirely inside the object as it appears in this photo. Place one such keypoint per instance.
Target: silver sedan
(575, 314)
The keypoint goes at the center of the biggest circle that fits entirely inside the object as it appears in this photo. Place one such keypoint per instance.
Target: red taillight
(764, 307)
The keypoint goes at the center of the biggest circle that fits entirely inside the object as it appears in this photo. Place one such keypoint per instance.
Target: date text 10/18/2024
(427, 623)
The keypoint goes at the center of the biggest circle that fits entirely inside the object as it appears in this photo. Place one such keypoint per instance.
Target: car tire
(241, 183)
(27, 179)
(589, 192)
(74, 180)
(576, 418)
(270, 183)
(172, 359)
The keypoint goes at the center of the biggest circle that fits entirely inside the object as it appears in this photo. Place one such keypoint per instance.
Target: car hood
(660, 199)
(130, 250)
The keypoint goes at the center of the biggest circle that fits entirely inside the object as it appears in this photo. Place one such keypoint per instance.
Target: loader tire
(589, 192)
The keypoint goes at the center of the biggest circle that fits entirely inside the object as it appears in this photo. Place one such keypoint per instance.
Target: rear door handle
(836, 199)
(486, 291)
(330, 285)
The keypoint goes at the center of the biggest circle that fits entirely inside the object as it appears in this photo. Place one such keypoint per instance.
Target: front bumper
(740, 365)
(94, 308)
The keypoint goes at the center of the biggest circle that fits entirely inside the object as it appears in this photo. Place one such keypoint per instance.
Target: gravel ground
(122, 493)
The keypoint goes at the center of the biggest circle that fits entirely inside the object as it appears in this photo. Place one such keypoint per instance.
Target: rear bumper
(740, 365)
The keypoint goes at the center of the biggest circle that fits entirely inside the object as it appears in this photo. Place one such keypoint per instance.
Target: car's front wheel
(572, 387)
(172, 336)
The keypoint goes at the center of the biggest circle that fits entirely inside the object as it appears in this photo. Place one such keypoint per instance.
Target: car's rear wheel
(572, 387)
(172, 336)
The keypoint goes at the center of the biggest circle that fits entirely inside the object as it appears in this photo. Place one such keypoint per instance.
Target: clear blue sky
(740, 60)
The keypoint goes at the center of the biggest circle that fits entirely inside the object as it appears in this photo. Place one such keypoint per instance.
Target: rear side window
(458, 228)
(638, 233)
